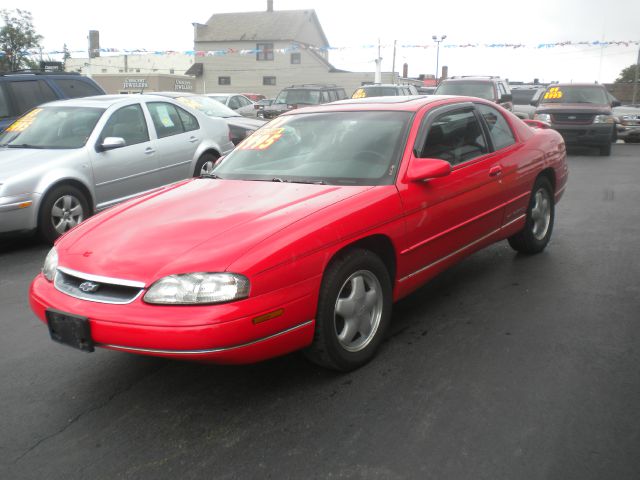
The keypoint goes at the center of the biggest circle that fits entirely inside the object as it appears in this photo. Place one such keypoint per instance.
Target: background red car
(305, 234)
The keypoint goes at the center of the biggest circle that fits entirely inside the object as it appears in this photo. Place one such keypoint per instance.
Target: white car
(235, 101)
(65, 160)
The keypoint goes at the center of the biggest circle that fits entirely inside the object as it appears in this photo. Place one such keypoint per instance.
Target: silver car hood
(27, 161)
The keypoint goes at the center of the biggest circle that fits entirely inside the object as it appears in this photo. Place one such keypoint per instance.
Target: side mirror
(111, 143)
(506, 97)
(422, 169)
(616, 103)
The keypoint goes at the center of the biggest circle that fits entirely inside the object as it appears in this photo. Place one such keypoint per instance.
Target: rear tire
(535, 235)
(62, 208)
(205, 164)
(354, 311)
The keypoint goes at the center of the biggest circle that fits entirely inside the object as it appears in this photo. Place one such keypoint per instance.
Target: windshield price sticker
(262, 140)
(360, 93)
(188, 102)
(554, 92)
(25, 122)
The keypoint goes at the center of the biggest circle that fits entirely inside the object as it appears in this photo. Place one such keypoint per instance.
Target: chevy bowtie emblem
(89, 287)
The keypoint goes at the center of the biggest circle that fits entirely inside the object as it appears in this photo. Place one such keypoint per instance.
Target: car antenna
(147, 77)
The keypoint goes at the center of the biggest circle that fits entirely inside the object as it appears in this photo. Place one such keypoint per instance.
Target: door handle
(193, 139)
(495, 171)
(149, 151)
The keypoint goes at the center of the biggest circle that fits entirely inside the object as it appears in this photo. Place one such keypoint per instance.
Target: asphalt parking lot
(504, 367)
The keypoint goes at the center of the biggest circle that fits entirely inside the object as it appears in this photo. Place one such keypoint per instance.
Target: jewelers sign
(135, 83)
(183, 85)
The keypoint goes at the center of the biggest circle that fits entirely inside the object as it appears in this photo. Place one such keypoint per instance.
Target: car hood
(596, 109)
(16, 161)
(198, 225)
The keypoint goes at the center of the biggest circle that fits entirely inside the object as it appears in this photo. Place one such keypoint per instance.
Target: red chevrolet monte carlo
(305, 235)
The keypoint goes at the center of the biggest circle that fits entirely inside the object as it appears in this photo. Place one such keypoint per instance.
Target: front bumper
(19, 213)
(224, 333)
(592, 134)
(628, 132)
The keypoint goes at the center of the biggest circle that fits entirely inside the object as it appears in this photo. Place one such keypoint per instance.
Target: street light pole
(438, 40)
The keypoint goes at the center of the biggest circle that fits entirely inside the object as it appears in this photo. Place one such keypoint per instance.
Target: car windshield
(294, 97)
(471, 89)
(52, 127)
(575, 94)
(208, 106)
(347, 148)
(375, 92)
(523, 97)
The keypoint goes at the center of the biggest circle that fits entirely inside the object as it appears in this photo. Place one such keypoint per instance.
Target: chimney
(269, 5)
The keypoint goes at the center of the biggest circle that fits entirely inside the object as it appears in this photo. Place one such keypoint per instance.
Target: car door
(123, 172)
(178, 135)
(455, 213)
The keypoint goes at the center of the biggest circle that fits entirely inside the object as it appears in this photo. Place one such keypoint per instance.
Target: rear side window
(4, 105)
(74, 88)
(30, 93)
(189, 122)
(166, 119)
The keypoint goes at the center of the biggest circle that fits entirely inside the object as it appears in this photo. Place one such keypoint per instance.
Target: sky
(353, 25)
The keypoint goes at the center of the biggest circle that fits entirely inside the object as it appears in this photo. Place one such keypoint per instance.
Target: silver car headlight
(50, 264)
(604, 119)
(543, 117)
(198, 288)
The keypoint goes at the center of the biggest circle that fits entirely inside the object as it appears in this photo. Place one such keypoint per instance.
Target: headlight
(543, 117)
(604, 119)
(50, 264)
(198, 288)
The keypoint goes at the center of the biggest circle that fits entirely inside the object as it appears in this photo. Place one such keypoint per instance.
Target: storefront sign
(135, 83)
(183, 85)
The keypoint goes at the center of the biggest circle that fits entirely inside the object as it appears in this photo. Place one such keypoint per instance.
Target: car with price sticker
(65, 160)
(581, 112)
(304, 236)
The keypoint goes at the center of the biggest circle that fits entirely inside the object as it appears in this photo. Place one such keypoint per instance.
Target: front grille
(573, 118)
(96, 289)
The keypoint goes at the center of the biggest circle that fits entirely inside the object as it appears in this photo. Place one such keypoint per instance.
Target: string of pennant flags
(298, 47)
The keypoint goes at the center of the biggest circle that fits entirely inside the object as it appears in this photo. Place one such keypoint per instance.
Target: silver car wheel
(207, 167)
(67, 212)
(358, 310)
(541, 213)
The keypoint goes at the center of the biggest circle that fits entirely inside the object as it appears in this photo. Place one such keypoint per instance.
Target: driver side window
(127, 123)
(455, 136)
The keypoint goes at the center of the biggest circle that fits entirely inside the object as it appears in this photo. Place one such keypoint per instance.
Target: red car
(305, 235)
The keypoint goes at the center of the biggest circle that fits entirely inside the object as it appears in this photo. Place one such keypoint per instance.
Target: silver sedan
(65, 160)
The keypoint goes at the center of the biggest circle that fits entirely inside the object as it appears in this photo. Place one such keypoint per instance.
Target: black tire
(62, 208)
(208, 159)
(605, 150)
(339, 287)
(535, 235)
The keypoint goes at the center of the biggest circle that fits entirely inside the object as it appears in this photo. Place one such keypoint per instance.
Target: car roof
(383, 85)
(576, 84)
(102, 101)
(390, 103)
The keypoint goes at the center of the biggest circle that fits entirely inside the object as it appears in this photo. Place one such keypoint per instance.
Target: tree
(16, 37)
(627, 74)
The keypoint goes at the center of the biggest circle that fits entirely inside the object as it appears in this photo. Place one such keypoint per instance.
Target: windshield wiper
(22, 145)
(210, 175)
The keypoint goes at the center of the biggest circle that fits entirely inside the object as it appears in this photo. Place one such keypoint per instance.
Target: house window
(268, 80)
(224, 80)
(104, 70)
(265, 51)
(172, 71)
(295, 58)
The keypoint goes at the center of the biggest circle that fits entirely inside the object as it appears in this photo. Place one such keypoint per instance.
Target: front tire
(63, 208)
(535, 235)
(205, 164)
(354, 311)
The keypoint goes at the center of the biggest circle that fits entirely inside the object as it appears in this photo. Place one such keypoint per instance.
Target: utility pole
(393, 68)
(438, 41)
(378, 75)
(635, 82)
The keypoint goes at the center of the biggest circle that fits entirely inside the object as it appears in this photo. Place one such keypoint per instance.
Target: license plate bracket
(71, 330)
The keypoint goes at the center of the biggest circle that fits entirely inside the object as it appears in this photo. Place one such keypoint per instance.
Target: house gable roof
(282, 25)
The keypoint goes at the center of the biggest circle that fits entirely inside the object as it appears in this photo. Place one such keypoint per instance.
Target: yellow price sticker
(553, 93)
(359, 93)
(262, 139)
(24, 122)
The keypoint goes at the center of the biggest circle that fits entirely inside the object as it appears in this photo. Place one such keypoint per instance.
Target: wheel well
(380, 245)
(550, 175)
(213, 151)
(74, 183)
